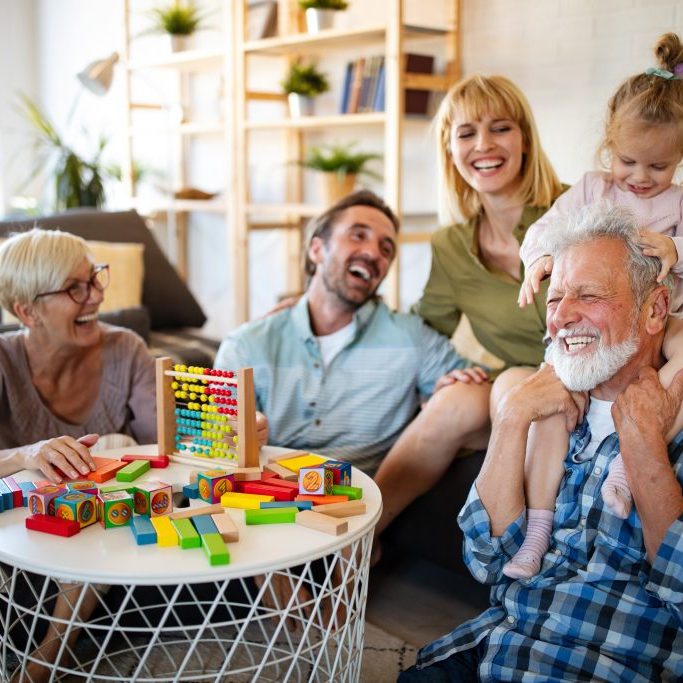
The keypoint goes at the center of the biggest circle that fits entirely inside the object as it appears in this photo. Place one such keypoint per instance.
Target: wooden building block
(226, 527)
(127, 488)
(187, 534)
(143, 530)
(325, 523)
(271, 516)
(282, 472)
(105, 472)
(284, 456)
(353, 492)
(299, 505)
(193, 512)
(52, 525)
(247, 473)
(166, 534)
(323, 500)
(308, 460)
(191, 491)
(26, 487)
(215, 549)
(155, 461)
(17, 493)
(6, 494)
(132, 470)
(204, 524)
(278, 492)
(350, 508)
(292, 484)
(243, 501)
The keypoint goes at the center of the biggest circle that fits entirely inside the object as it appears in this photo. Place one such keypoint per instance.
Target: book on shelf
(356, 85)
(417, 101)
(378, 99)
(348, 77)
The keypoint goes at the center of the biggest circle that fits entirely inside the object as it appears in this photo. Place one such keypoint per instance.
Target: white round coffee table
(237, 629)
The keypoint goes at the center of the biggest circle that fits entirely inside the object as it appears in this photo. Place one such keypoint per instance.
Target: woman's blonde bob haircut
(473, 98)
(37, 261)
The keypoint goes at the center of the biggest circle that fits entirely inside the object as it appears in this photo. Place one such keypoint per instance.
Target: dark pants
(458, 668)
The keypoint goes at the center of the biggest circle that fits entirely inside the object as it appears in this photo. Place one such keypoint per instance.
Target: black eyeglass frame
(90, 283)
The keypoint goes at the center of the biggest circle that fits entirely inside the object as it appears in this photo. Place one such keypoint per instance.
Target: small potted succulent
(302, 84)
(177, 21)
(320, 13)
(339, 167)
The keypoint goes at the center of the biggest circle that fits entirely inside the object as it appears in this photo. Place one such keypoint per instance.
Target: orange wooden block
(106, 472)
(322, 500)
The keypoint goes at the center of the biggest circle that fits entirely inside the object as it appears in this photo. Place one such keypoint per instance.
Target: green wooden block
(353, 492)
(215, 549)
(132, 470)
(271, 515)
(117, 487)
(187, 534)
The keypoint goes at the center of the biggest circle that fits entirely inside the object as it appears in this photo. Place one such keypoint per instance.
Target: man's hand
(261, 428)
(68, 455)
(542, 395)
(466, 375)
(661, 246)
(538, 271)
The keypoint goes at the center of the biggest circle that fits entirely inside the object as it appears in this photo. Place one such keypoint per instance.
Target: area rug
(384, 656)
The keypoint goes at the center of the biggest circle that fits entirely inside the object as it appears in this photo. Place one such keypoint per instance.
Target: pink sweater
(663, 214)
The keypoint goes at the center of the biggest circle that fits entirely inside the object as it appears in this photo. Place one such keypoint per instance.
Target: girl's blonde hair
(648, 99)
(474, 97)
(37, 261)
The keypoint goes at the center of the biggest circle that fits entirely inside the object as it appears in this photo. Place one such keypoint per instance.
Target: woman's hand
(62, 457)
(661, 246)
(261, 428)
(466, 375)
(538, 271)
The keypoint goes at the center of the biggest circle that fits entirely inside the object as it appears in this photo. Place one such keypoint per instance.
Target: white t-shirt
(331, 344)
(601, 423)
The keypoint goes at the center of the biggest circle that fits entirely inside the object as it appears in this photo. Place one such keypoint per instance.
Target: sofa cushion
(169, 301)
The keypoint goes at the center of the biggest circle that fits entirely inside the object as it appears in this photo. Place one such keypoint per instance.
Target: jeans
(461, 667)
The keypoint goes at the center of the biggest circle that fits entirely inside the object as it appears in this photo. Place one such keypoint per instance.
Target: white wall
(567, 56)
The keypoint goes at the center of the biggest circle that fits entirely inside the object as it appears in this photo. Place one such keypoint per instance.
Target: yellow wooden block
(244, 501)
(166, 533)
(295, 464)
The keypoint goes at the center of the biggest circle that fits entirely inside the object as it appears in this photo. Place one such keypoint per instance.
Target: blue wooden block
(143, 530)
(26, 487)
(204, 524)
(301, 504)
(6, 494)
(191, 490)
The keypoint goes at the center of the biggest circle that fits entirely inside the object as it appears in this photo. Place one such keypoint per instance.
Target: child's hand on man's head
(661, 246)
(538, 271)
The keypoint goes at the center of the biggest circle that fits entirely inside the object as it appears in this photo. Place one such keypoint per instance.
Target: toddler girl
(644, 145)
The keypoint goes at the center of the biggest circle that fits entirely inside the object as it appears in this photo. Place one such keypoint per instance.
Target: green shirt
(460, 283)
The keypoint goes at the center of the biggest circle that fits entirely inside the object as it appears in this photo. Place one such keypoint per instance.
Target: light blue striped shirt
(356, 407)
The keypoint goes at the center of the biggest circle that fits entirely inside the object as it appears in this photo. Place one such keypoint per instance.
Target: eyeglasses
(79, 291)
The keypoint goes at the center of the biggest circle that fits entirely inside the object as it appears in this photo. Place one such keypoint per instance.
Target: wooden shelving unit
(389, 39)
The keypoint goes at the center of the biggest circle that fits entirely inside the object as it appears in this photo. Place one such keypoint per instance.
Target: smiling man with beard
(607, 603)
(339, 373)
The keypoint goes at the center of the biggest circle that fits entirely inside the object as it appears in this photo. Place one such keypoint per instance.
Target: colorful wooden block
(153, 498)
(213, 484)
(296, 463)
(167, 535)
(215, 549)
(127, 488)
(143, 530)
(341, 472)
(280, 471)
(17, 494)
(246, 473)
(77, 506)
(41, 501)
(26, 487)
(278, 492)
(199, 510)
(323, 500)
(271, 516)
(52, 525)
(243, 501)
(299, 505)
(191, 491)
(155, 461)
(132, 470)
(320, 522)
(226, 527)
(315, 481)
(204, 524)
(187, 534)
(352, 492)
(293, 485)
(350, 508)
(106, 472)
(84, 486)
(114, 509)
(6, 495)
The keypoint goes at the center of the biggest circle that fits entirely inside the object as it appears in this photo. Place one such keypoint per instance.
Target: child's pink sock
(527, 560)
(615, 490)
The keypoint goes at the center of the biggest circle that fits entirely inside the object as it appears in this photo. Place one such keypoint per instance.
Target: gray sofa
(170, 316)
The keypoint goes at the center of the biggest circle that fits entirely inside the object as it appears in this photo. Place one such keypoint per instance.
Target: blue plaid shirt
(598, 610)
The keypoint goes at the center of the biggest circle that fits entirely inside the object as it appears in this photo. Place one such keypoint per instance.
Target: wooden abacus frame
(247, 441)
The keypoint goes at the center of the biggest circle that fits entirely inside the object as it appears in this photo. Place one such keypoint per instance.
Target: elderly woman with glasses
(65, 378)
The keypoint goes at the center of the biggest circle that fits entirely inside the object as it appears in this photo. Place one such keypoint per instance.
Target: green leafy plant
(305, 79)
(77, 182)
(177, 19)
(324, 4)
(340, 159)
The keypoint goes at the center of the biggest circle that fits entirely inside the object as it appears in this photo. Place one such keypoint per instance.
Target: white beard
(583, 372)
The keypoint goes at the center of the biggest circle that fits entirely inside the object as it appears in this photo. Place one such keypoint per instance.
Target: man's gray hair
(605, 220)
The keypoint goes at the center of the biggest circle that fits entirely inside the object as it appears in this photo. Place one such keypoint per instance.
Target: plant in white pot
(320, 13)
(178, 21)
(302, 83)
(339, 167)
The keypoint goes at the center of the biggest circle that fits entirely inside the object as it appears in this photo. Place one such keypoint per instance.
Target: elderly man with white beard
(607, 604)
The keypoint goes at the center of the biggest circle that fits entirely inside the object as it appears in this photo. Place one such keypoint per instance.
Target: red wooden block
(322, 500)
(53, 525)
(282, 483)
(156, 461)
(278, 492)
(17, 493)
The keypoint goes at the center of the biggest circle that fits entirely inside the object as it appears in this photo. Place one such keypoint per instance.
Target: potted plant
(320, 13)
(302, 84)
(178, 21)
(339, 166)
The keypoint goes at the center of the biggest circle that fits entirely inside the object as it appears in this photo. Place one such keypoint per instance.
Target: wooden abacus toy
(195, 409)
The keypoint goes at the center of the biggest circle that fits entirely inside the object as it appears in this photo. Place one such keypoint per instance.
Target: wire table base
(233, 630)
